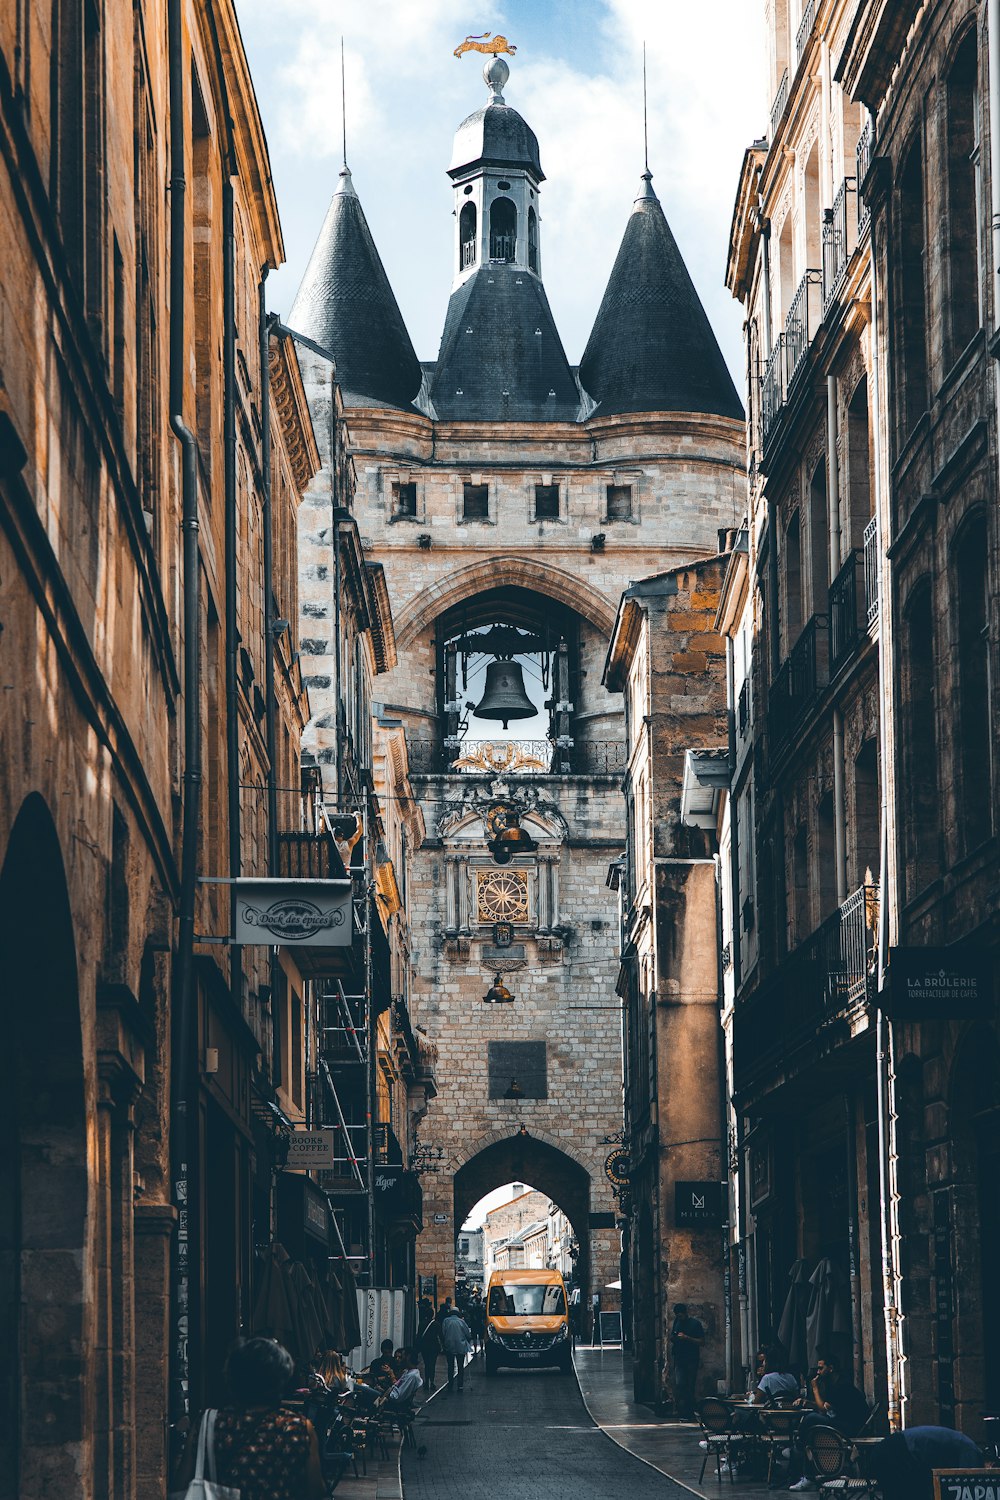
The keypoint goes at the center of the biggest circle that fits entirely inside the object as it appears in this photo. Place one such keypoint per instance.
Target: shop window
(476, 502)
(404, 499)
(970, 593)
(546, 502)
(964, 198)
(619, 502)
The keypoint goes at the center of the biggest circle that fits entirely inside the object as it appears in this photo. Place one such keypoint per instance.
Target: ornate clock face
(502, 896)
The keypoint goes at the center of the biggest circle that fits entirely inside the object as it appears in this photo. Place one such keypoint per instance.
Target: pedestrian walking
(428, 1342)
(476, 1319)
(456, 1337)
(259, 1450)
(686, 1338)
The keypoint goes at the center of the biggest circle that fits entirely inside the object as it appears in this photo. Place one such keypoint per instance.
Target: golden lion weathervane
(480, 44)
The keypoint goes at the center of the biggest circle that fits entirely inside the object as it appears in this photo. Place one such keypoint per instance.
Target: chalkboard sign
(610, 1330)
(967, 1484)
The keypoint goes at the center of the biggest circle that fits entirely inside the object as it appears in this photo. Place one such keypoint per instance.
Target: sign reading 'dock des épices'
(294, 913)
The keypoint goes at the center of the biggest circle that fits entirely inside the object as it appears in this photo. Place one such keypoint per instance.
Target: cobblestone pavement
(519, 1436)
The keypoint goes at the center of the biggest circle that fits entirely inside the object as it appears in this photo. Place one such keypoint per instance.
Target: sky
(492, 1200)
(576, 78)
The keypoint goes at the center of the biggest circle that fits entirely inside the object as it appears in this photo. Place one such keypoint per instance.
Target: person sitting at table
(382, 1371)
(835, 1401)
(903, 1464)
(777, 1382)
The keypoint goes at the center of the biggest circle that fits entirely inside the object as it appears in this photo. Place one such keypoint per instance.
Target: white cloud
(406, 94)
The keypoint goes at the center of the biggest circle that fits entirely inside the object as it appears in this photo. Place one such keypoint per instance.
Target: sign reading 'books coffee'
(929, 984)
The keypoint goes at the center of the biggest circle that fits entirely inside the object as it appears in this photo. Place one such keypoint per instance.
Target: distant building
(469, 1259)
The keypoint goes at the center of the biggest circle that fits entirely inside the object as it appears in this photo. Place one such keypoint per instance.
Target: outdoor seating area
(743, 1440)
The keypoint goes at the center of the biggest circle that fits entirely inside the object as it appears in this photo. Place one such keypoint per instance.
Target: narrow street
(529, 1433)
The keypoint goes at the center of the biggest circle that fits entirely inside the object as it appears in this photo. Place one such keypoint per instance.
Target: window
(404, 499)
(619, 502)
(827, 857)
(866, 815)
(546, 502)
(920, 742)
(973, 682)
(503, 230)
(296, 1049)
(476, 502)
(532, 240)
(859, 464)
(203, 302)
(799, 904)
(819, 540)
(964, 197)
(793, 582)
(467, 236)
(912, 290)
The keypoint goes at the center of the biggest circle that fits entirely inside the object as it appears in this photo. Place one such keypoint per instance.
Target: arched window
(532, 240)
(970, 594)
(467, 236)
(503, 229)
(793, 582)
(919, 744)
(912, 289)
(964, 199)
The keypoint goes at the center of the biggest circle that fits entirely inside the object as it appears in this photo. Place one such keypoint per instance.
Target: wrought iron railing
(845, 622)
(871, 572)
(772, 389)
(821, 982)
(388, 1151)
(516, 757)
(468, 254)
(502, 246)
(839, 239)
(778, 107)
(804, 316)
(862, 161)
(743, 707)
(805, 30)
(799, 679)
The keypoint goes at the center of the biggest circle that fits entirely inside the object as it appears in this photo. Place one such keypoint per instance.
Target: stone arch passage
(43, 1171)
(525, 1158)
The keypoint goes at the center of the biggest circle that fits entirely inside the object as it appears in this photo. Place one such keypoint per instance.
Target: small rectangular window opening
(619, 502)
(404, 499)
(476, 502)
(546, 502)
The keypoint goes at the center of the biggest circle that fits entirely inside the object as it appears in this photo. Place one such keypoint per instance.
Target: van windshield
(520, 1299)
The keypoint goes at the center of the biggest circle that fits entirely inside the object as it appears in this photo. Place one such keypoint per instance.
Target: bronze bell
(504, 697)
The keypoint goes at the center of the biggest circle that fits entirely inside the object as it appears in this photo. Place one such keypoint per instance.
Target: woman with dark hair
(264, 1452)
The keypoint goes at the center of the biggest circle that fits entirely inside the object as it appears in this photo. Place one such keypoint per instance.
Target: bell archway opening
(534, 1164)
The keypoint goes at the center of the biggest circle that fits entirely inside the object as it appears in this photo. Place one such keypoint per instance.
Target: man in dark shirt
(382, 1372)
(836, 1402)
(686, 1338)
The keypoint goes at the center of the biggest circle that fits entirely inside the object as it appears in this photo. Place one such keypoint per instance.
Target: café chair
(777, 1428)
(829, 1452)
(716, 1421)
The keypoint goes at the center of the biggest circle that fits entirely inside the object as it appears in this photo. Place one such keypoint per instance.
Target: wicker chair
(778, 1426)
(829, 1452)
(716, 1421)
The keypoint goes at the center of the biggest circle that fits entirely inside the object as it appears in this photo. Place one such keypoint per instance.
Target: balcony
(517, 757)
(798, 681)
(772, 391)
(802, 323)
(839, 239)
(871, 573)
(862, 161)
(778, 107)
(845, 618)
(388, 1151)
(805, 30)
(812, 996)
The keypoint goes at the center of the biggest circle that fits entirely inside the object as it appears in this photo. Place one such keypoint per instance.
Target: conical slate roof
(501, 358)
(345, 304)
(652, 347)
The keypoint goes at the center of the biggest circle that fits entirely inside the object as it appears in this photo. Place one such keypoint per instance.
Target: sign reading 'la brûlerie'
(927, 984)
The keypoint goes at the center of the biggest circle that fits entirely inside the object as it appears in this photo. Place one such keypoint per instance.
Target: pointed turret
(346, 305)
(501, 356)
(652, 347)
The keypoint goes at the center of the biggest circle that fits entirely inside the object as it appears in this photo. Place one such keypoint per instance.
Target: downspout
(182, 1133)
(734, 848)
(833, 513)
(884, 1058)
(231, 535)
(270, 644)
(337, 671)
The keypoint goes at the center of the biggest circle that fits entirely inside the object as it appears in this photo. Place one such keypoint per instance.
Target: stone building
(143, 675)
(861, 825)
(668, 662)
(502, 490)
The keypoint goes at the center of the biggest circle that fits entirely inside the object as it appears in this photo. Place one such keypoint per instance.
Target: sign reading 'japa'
(293, 913)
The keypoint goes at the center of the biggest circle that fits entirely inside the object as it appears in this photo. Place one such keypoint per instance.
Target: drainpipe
(182, 1134)
(765, 240)
(833, 511)
(337, 673)
(270, 727)
(734, 848)
(885, 1078)
(231, 527)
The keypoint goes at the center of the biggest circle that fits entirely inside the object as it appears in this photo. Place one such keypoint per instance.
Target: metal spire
(645, 114)
(343, 100)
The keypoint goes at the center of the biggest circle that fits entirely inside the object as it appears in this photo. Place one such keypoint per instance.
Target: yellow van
(527, 1321)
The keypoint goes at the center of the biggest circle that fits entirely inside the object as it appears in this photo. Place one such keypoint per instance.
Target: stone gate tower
(511, 499)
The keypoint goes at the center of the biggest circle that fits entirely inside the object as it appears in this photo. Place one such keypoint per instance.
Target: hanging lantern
(504, 835)
(498, 994)
(504, 697)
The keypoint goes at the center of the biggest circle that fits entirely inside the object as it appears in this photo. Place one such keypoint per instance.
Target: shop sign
(966, 1484)
(929, 984)
(698, 1205)
(617, 1168)
(440, 1219)
(293, 913)
(311, 1150)
(385, 1179)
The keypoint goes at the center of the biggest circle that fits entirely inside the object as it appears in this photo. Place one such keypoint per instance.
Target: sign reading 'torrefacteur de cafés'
(927, 984)
(293, 913)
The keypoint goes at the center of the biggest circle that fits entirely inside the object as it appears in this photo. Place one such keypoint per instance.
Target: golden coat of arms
(480, 44)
